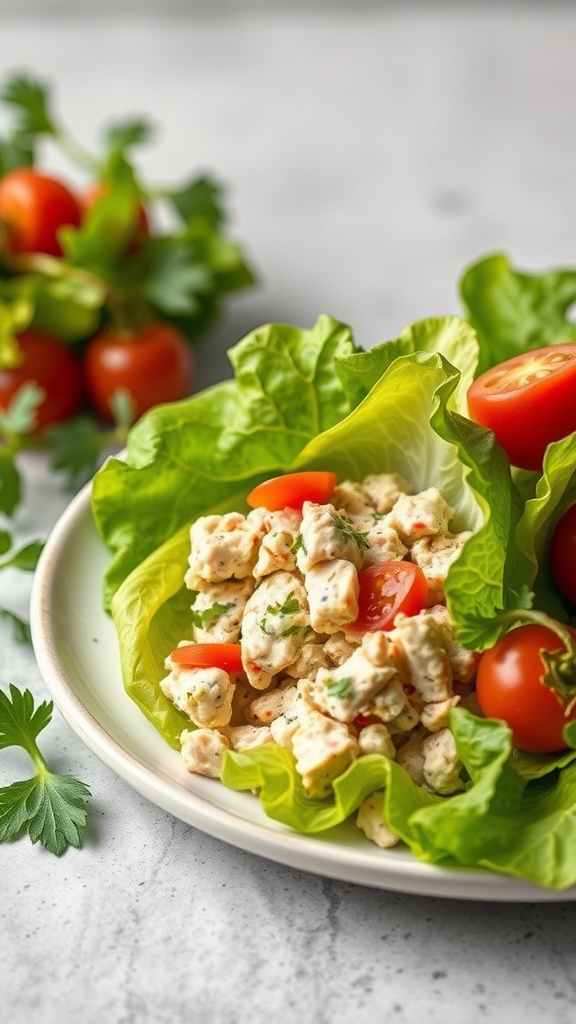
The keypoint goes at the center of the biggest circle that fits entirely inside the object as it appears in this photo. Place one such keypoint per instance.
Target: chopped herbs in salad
(313, 562)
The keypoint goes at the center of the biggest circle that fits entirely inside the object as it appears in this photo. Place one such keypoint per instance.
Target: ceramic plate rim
(309, 853)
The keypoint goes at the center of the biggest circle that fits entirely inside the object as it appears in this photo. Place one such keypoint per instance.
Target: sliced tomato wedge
(385, 591)
(528, 401)
(293, 489)
(225, 656)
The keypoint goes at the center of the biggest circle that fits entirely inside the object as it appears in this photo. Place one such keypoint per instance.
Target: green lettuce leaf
(513, 312)
(554, 493)
(502, 820)
(187, 458)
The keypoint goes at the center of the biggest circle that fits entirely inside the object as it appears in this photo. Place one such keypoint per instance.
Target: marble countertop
(370, 156)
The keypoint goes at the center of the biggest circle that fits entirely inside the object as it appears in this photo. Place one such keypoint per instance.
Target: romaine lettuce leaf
(554, 493)
(501, 820)
(513, 312)
(186, 458)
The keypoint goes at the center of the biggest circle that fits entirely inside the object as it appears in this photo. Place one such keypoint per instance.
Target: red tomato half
(385, 591)
(225, 656)
(33, 208)
(292, 490)
(563, 553)
(54, 368)
(154, 365)
(528, 401)
(509, 686)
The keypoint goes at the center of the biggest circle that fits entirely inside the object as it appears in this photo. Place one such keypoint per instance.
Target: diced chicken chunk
(204, 694)
(370, 819)
(332, 589)
(368, 679)
(420, 515)
(351, 498)
(384, 544)
(375, 739)
(223, 547)
(275, 620)
(326, 534)
(203, 751)
(441, 767)
(323, 750)
(384, 489)
(264, 709)
(421, 656)
(410, 756)
(435, 555)
(311, 657)
(217, 611)
(436, 716)
(463, 662)
(277, 547)
(338, 648)
(285, 725)
(247, 737)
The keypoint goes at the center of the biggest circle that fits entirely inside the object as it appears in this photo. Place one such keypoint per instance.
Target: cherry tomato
(509, 686)
(54, 368)
(225, 656)
(292, 490)
(386, 590)
(154, 364)
(141, 227)
(33, 208)
(563, 553)
(528, 401)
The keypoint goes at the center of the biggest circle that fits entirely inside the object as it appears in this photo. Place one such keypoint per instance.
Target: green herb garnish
(209, 615)
(343, 524)
(339, 687)
(49, 807)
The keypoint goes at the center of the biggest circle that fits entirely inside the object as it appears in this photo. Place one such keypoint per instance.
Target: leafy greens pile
(314, 399)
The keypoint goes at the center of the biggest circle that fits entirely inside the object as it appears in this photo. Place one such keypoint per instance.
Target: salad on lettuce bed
(312, 399)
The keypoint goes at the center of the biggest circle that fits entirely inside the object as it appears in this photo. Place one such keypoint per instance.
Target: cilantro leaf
(30, 101)
(199, 199)
(122, 135)
(75, 449)
(20, 722)
(20, 628)
(50, 807)
(20, 416)
(24, 558)
(78, 446)
(10, 483)
(175, 277)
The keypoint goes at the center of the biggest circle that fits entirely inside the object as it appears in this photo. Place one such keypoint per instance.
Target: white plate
(75, 644)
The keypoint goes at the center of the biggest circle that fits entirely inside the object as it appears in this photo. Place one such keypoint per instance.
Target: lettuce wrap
(312, 399)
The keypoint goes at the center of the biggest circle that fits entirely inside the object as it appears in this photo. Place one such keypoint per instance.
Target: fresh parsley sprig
(49, 807)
